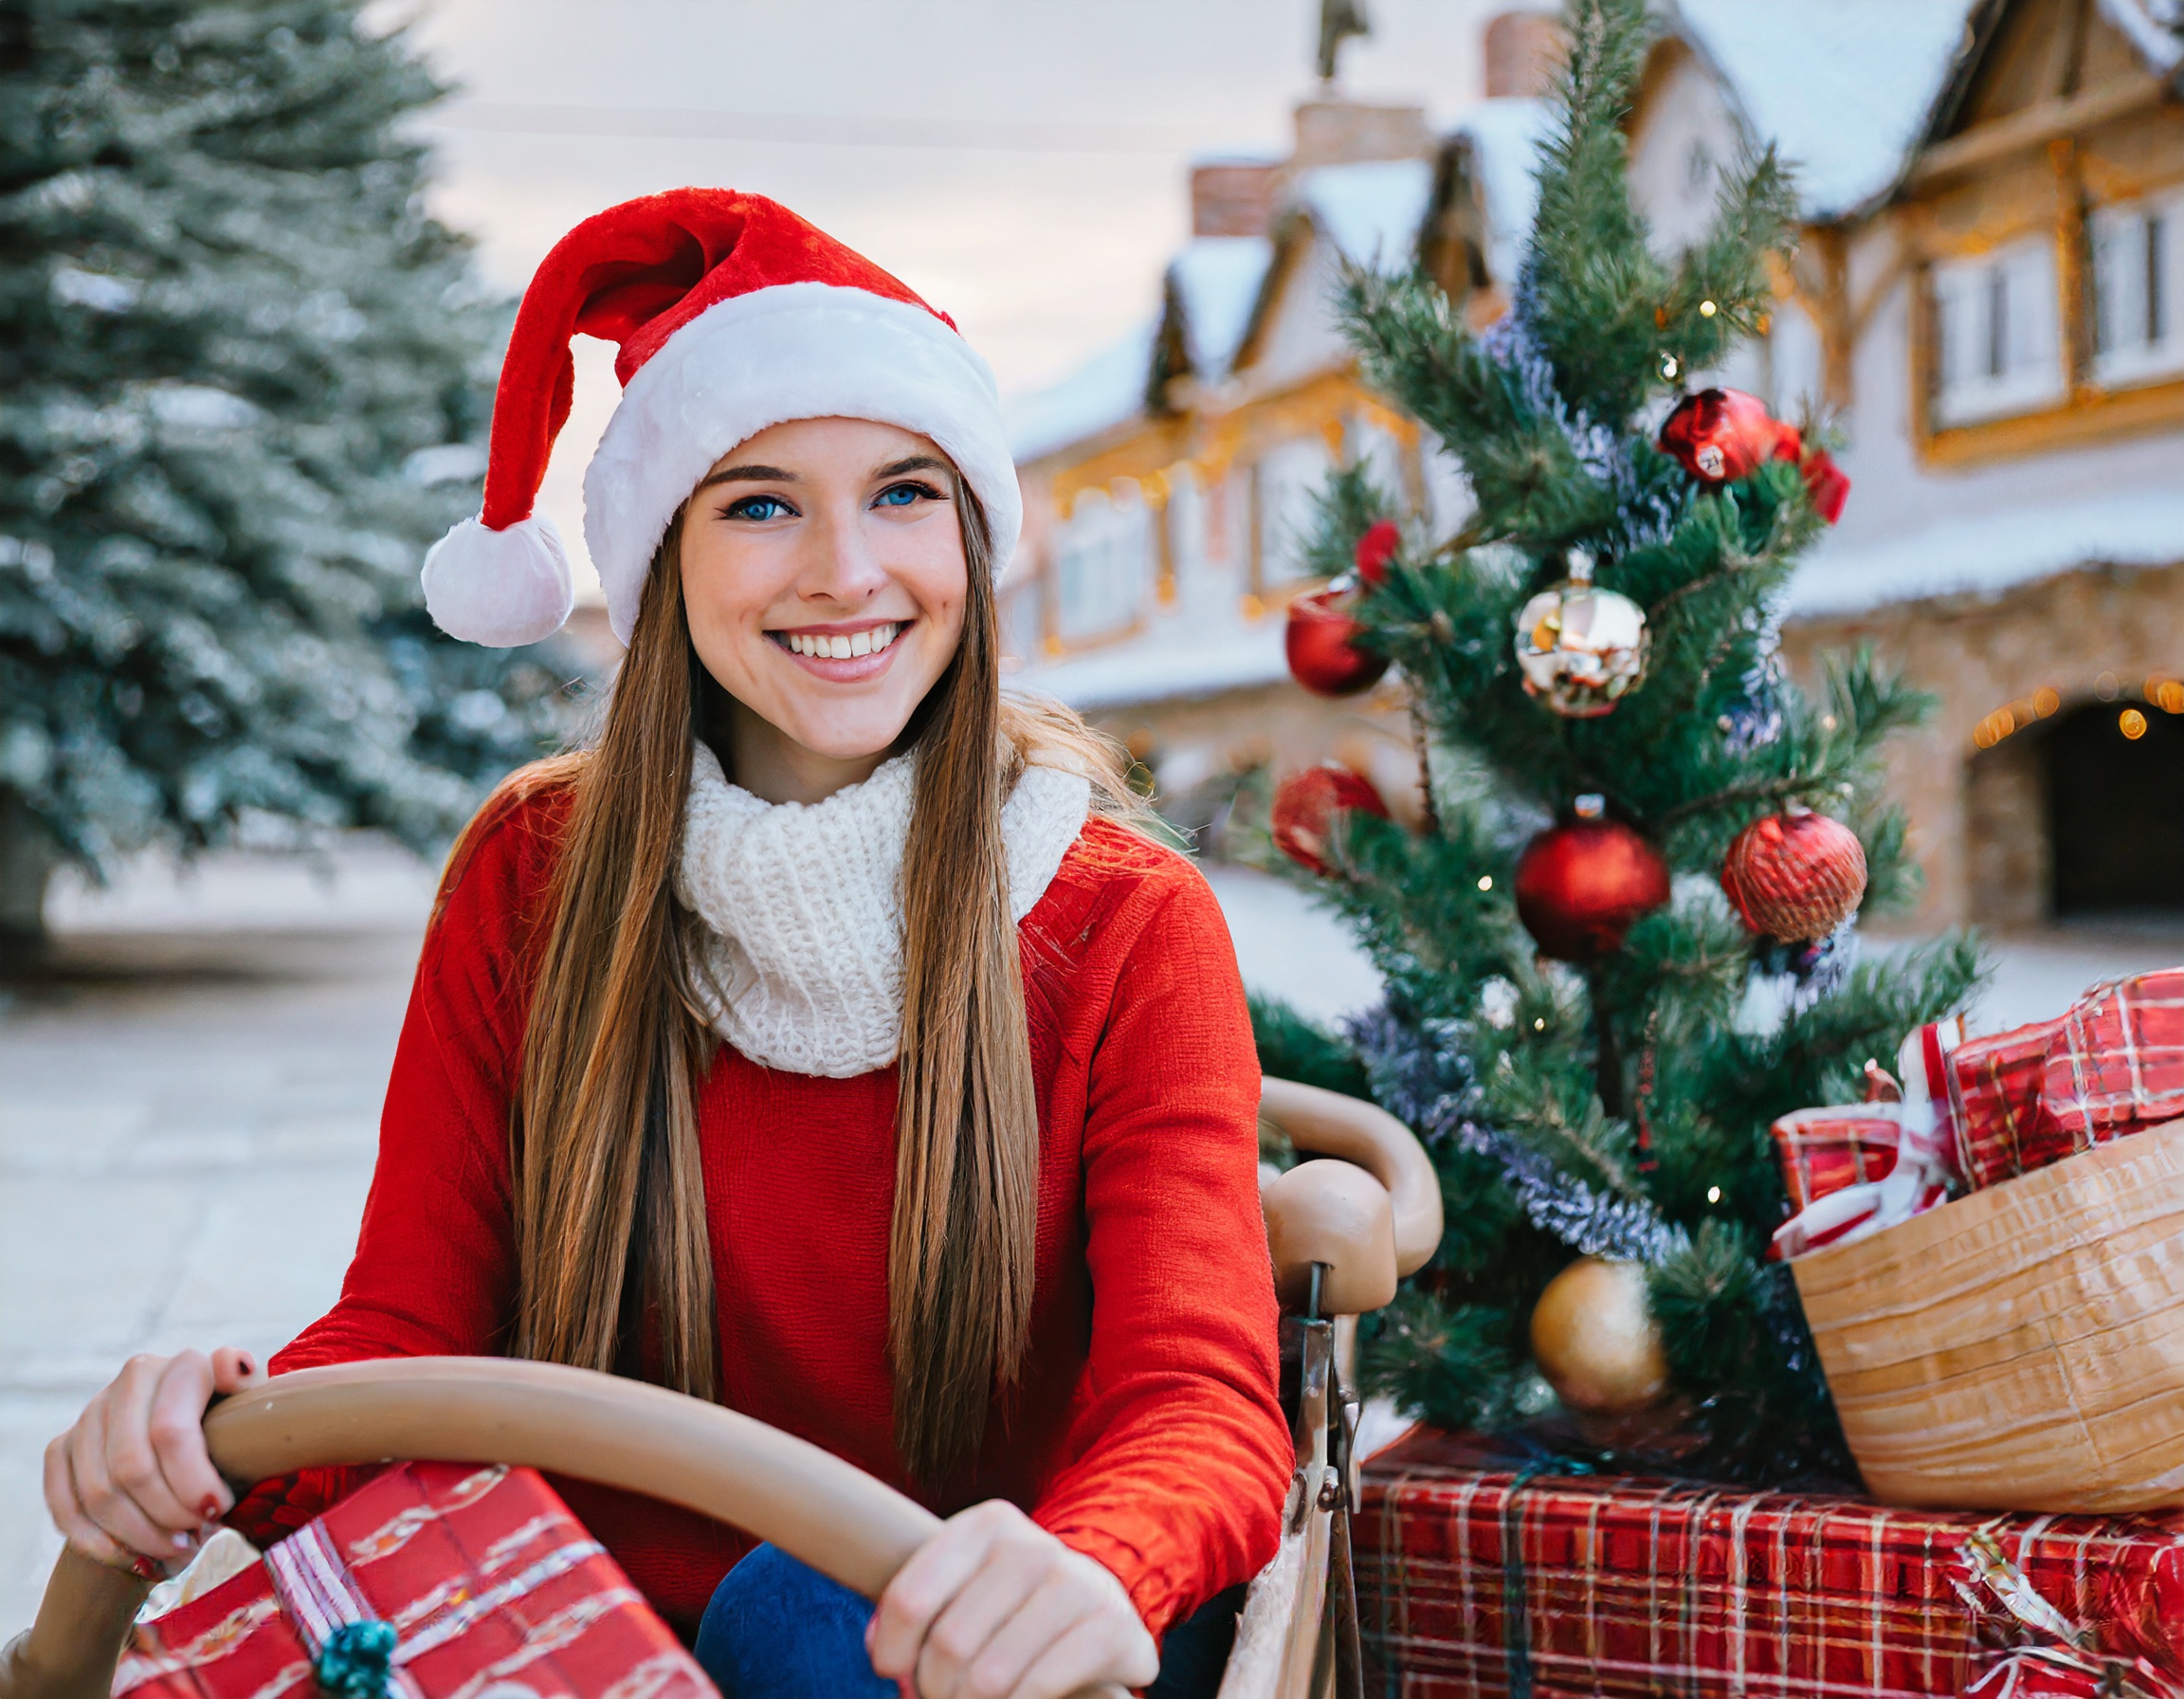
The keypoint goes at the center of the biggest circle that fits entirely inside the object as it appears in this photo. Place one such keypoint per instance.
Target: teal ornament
(357, 1660)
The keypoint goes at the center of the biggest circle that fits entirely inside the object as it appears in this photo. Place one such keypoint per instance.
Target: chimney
(1349, 133)
(1234, 197)
(1524, 50)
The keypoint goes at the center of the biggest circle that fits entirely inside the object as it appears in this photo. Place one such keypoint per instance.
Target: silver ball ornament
(1581, 648)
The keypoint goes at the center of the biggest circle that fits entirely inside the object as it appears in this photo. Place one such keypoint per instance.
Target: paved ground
(188, 1112)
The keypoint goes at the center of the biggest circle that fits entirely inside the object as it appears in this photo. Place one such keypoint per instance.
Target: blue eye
(758, 507)
(906, 494)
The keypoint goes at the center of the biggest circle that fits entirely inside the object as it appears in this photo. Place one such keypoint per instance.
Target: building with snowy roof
(1988, 305)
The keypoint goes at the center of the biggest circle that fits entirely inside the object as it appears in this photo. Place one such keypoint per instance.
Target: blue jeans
(779, 1630)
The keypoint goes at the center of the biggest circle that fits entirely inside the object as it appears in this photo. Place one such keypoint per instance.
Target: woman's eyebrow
(749, 475)
(916, 463)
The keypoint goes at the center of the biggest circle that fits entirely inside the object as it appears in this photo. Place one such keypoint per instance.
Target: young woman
(823, 1040)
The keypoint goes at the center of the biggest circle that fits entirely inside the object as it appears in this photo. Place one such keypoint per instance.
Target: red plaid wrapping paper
(490, 1582)
(2112, 1065)
(1630, 1587)
(2117, 1060)
(1994, 1104)
(1824, 1150)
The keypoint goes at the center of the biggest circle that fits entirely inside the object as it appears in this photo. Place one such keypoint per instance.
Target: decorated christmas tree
(1622, 941)
(241, 369)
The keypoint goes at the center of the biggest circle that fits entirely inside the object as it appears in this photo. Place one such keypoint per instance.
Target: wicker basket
(2021, 1348)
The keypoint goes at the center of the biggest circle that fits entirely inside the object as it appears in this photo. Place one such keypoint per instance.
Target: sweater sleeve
(1181, 1455)
(434, 1270)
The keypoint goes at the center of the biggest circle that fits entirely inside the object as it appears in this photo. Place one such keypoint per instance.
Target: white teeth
(869, 642)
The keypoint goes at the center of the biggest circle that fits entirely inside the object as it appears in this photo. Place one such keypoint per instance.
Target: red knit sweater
(1146, 1432)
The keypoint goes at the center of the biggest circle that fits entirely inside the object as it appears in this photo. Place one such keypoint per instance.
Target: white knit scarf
(802, 965)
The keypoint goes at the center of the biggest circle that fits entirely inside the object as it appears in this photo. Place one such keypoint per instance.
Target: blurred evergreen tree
(1619, 1109)
(242, 378)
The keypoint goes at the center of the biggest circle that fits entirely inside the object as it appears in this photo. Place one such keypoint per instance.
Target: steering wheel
(568, 1421)
(1340, 1230)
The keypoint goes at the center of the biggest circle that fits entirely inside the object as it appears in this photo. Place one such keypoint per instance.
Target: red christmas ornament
(1582, 884)
(1827, 483)
(1721, 435)
(1795, 876)
(1322, 643)
(1376, 549)
(1306, 806)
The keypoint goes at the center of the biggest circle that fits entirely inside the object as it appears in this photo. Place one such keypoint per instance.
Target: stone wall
(1978, 816)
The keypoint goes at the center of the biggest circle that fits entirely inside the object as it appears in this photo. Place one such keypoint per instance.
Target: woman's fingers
(72, 1518)
(106, 1501)
(175, 1430)
(959, 1639)
(235, 1370)
(1087, 1659)
(923, 1588)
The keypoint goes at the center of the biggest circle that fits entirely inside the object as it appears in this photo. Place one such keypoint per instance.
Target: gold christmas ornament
(1595, 1343)
(1582, 649)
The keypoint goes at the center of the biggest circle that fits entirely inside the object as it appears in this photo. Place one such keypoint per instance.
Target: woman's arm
(1181, 1458)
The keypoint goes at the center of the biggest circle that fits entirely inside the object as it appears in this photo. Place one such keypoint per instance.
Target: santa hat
(732, 314)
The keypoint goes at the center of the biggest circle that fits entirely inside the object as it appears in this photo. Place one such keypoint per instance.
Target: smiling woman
(826, 1038)
(824, 575)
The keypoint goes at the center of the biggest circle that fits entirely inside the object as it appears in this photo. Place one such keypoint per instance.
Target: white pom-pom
(500, 587)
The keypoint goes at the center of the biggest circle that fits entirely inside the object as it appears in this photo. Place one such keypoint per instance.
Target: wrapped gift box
(1822, 1151)
(1995, 1110)
(1481, 1574)
(489, 1583)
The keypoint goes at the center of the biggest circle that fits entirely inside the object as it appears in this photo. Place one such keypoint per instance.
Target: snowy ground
(188, 1110)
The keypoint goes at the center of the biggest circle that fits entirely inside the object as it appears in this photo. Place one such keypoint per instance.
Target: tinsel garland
(1422, 1075)
(1605, 453)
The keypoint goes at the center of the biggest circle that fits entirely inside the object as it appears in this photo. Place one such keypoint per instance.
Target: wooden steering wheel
(570, 1421)
(1341, 1228)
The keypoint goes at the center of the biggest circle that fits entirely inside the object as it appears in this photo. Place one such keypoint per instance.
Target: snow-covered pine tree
(241, 375)
(1616, 1107)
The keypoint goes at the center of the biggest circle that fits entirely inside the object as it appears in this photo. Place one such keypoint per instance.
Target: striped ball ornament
(1795, 876)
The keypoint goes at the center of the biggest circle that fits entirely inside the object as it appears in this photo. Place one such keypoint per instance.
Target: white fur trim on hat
(794, 350)
(500, 587)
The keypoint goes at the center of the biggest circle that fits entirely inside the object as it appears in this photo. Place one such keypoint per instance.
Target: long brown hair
(614, 1266)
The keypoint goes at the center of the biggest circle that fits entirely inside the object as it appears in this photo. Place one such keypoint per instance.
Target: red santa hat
(732, 314)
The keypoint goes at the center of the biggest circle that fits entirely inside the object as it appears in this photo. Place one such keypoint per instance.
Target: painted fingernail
(209, 1509)
(146, 1570)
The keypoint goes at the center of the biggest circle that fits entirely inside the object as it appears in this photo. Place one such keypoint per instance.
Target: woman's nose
(840, 563)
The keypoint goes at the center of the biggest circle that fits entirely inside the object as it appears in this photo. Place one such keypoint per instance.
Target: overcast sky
(1020, 164)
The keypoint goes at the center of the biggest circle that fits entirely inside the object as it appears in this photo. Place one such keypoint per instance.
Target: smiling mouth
(840, 646)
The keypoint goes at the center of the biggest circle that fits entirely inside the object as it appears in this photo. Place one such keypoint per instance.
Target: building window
(1287, 481)
(2137, 280)
(1999, 350)
(1103, 568)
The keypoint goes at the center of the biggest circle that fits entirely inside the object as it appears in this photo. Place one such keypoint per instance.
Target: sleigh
(1342, 1228)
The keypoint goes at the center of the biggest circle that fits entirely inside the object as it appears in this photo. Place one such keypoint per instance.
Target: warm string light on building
(2160, 690)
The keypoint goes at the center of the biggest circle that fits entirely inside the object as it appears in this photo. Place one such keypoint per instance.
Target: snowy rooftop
(1506, 137)
(1990, 555)
(1843, 85)
(1217, 280)
(1105, 391)
(1177, 662)
(1372, 213)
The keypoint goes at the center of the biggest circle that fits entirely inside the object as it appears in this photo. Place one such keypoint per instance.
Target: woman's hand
(995, 1607)
(131, 1484)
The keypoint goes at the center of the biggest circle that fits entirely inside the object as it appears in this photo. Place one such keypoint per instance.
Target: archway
(2115, 809)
